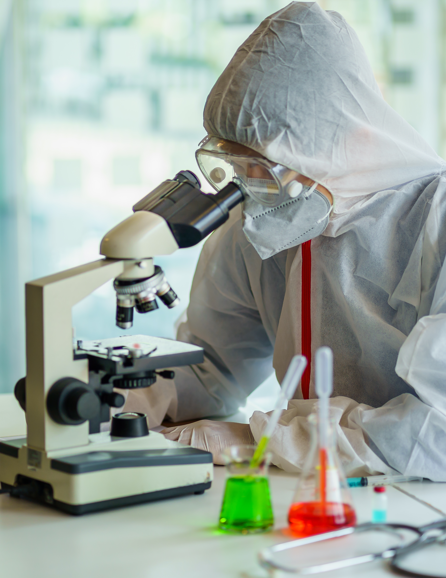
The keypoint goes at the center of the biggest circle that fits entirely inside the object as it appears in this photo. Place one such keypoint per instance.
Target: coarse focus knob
(71, 402)
(20, 392)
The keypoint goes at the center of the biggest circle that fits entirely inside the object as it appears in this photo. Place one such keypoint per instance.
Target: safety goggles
(268, 183)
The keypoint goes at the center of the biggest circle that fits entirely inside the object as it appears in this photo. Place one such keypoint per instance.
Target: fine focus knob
(113, 399)
(71, 402)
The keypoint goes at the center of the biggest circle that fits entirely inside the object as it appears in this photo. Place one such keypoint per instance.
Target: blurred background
(101, 100)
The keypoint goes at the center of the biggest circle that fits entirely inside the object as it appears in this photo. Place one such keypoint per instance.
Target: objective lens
(145, 302)
(169, 297)
(141, 294)
(124, 311)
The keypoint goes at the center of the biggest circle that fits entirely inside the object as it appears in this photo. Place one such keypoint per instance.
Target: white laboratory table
(172, 538)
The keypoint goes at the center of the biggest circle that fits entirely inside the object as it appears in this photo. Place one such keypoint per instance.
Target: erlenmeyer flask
(246, 506)
(322, 501)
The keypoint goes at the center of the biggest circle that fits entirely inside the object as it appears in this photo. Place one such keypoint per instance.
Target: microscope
(65, 461)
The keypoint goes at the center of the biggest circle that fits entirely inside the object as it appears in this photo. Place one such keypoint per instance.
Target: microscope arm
(49, 346)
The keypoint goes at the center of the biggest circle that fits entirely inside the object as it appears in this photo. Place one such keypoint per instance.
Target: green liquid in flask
(246, 505)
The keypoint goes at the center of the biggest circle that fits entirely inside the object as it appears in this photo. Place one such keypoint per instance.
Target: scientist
(341, 242)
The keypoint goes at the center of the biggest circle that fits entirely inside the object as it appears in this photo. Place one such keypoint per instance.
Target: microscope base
(102, 476)
(79, 510)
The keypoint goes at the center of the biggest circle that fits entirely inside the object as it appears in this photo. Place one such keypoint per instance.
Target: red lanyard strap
(306, 316)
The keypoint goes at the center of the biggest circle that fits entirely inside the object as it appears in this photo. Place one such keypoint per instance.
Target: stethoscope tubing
(423, 539)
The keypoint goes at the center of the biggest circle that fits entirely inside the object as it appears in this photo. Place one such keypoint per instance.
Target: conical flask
(322, 501)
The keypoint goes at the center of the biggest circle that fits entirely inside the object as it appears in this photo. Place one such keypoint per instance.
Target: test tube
(379, 505)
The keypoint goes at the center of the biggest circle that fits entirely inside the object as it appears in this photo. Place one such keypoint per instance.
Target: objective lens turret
(141, 294)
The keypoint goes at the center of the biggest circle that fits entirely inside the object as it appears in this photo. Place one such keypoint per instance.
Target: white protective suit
(301, 92)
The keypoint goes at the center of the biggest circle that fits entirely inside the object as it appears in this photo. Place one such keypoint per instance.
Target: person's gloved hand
(211, 436)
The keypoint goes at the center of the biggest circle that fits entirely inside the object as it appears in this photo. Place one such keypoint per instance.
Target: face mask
(274, 229)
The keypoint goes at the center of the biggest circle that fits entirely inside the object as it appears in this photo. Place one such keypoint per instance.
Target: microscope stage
(135, 353)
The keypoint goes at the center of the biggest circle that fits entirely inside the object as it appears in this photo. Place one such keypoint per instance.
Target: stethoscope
(399, 556)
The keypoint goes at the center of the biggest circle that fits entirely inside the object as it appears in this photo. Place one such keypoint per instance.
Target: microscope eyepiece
(141, 294)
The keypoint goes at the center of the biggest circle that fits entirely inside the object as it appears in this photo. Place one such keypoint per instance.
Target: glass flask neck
(331, 438)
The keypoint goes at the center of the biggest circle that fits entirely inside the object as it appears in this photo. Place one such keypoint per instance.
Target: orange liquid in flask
(309, 518)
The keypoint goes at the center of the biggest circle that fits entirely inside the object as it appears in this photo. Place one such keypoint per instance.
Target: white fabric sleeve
(223, 318)
(406, 434)
(290, 442)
